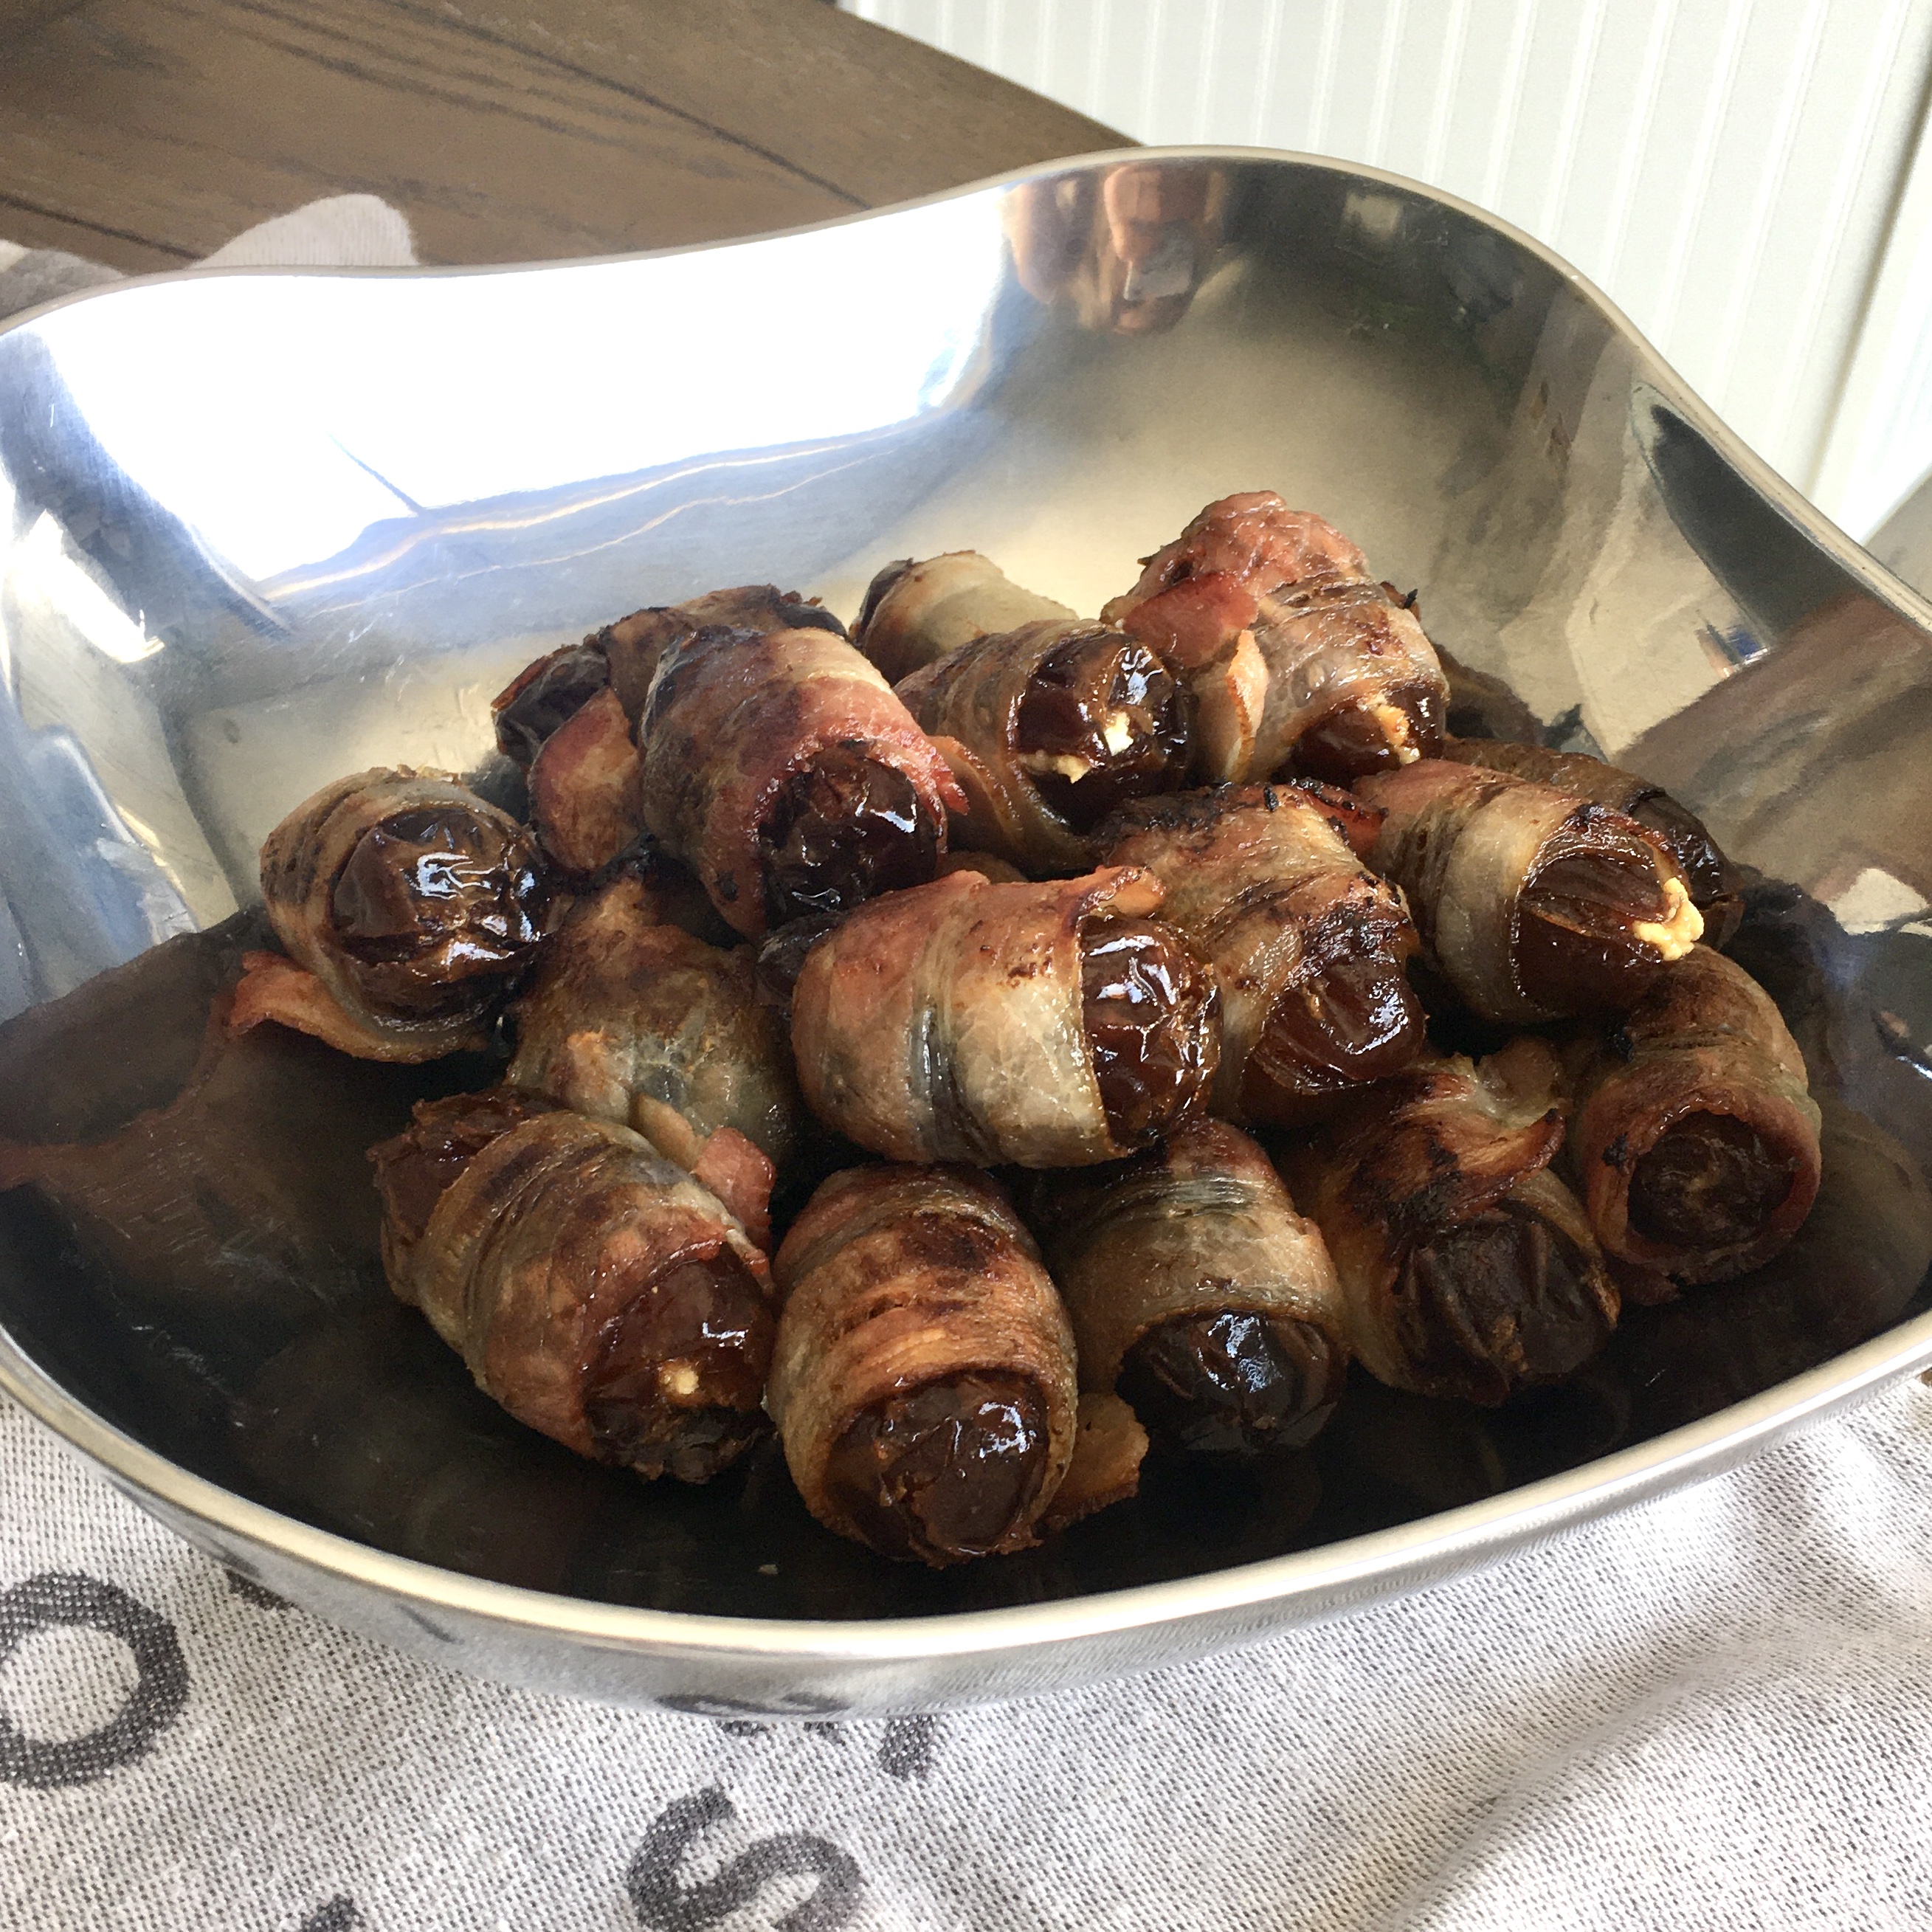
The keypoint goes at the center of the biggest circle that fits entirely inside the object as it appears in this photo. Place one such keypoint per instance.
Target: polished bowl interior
(259, 528)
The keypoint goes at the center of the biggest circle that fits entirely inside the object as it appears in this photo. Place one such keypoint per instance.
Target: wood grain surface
(145, 133)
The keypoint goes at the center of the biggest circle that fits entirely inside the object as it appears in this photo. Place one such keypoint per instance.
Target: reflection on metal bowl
(259, 528)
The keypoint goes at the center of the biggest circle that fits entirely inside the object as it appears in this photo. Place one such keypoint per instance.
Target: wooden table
(145, 132)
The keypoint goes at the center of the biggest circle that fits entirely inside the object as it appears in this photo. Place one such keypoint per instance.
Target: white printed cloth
(1713, 1711)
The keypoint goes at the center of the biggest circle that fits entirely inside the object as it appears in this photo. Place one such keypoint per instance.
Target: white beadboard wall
(1735, 173)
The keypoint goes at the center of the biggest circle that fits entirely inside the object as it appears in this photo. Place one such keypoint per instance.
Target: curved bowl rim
(1382, 1562)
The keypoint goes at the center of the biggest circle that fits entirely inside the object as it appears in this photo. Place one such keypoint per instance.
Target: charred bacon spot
(437, 906)
(414, 1170)
(945, 1471)
(1710, 1181)
(844, 830)
(1149, 1008)
(1233, 1383)
(679, 1373)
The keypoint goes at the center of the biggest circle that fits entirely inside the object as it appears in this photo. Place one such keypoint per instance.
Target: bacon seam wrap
(947, 1023)
(1200, 1226)
(1435, 1158)
(629, 1021)
(1710, 876)
(562, 1239)
(1297, 656)
(895, 1278)
(1268, 884)
(1706, 1040)
(429, 986)
(915, 613)
(731, 715)
(1468, 846)
(567, 719)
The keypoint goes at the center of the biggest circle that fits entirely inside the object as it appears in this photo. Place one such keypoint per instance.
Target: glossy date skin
(1147, 1005)
(410, 907)
(945, 1471)
(1508, 1300)
(1105, 702)
(1236, 1383)
(431, 903)
(844, 830)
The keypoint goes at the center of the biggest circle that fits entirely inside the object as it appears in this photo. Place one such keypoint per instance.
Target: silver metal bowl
(257, 529)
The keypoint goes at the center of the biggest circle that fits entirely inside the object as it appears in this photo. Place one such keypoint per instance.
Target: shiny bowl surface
(258, 528)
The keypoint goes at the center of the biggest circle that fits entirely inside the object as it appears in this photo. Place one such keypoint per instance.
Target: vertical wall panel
(1727, 168)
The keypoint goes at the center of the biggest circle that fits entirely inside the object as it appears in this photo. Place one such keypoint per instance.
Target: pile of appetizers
(1169, 1009)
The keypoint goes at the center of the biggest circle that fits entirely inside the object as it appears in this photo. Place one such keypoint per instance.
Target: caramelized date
(1359, 737)
(1501, 1302)
(1235, 1383)
(1583, 945)
(1357, 1016)
(1710, 1181)
(1107, 702)
(944, 1471)
(546, 697)
(1148, 1007)
(430, 900)
(844, 830)
(676, 1388)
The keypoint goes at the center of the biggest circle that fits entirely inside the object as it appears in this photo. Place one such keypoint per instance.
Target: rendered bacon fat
(914, 613)
(1469, 1269)
(569, 719)
(1197, 1292)
(1048, 728)
(1049, 1025)
(1298, 658)
(1531, 905)
(594, 1289)
(1308, 945)
(1709, 875)
(409, 906)
(1696, 1138)
(923, 1384)
(781, 767)
(630, 1021)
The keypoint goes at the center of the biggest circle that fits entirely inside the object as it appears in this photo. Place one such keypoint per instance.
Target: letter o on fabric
(56, 1600)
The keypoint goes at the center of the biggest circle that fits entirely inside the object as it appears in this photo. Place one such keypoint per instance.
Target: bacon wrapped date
(1197, 1293)
(1048, 728)
(914, 613)
(1308, 945)
(1469, 1269)
(1710, 876)
(1531, 905)
(1298, 659)
(1049, 1025)
(628, 1020)
(1695, 1140)
(594, 1289)
(782, 768)
(923, 1383)
(410, 907)
(567, 719)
